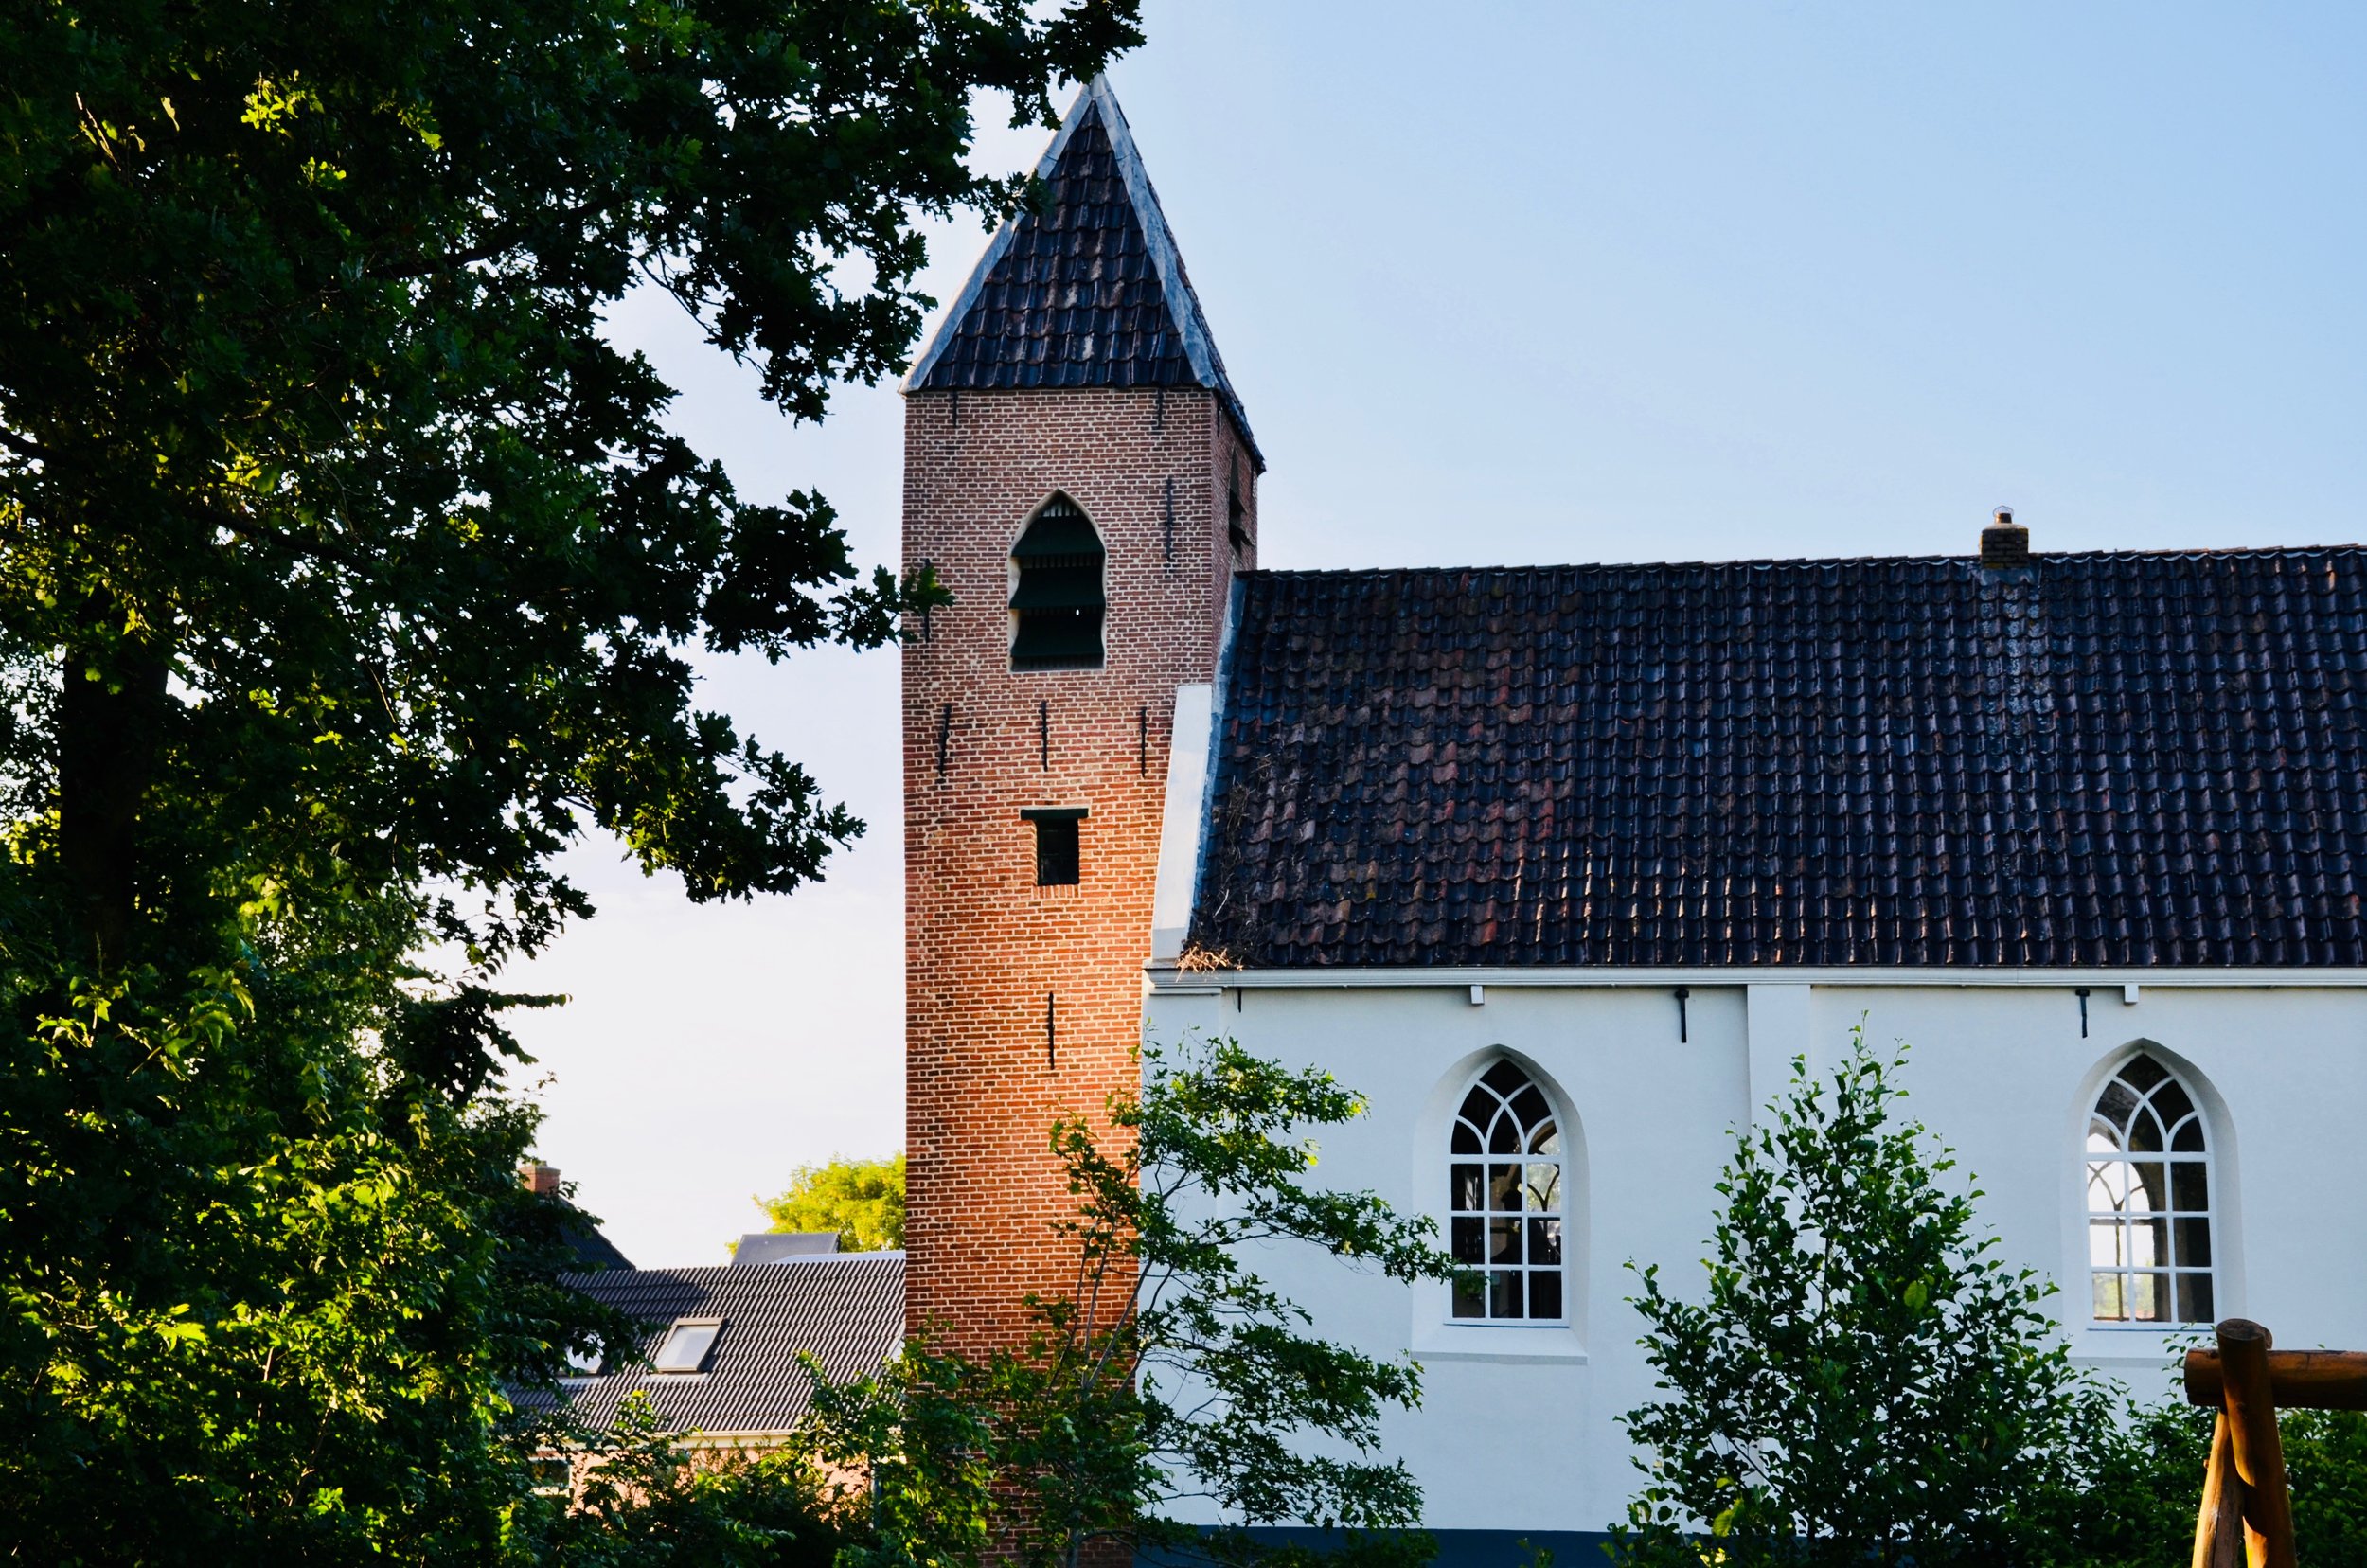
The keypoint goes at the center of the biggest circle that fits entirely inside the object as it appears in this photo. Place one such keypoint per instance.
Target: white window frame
(1484, 1218)
(2126, 1229)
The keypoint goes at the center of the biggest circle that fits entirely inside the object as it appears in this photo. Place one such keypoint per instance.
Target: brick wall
(984, 945)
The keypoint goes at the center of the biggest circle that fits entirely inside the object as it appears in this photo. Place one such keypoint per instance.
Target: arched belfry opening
(1057, 600)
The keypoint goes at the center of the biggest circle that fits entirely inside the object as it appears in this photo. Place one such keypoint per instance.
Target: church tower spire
(1079, 472)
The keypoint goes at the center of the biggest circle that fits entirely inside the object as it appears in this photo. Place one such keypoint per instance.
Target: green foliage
(2138, 1509)
(1173, 1370)
(1866, 1380)
(346, 575)
(630, 1501)
(862, 1200)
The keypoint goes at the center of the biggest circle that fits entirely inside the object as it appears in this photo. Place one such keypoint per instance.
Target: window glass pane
(1504, 1187)
(2194, 1243)
(1506, 1078)
(1466, 1138)
(1467, 1241)
(1507, 1295)
(1545, 1295)
(1545, 1139)
(2194, 1298)
(2144, 1071)
(1504, 1137)
(1543, 1187)
(1545, 1242)
(2187, 1139)
(1478, 1108)
(2149, 1297)
(1530, 1107)
(2103, 1138)
(2171, 1104)
(2111, 1302)
(2191, 1187)
(1470, 1299)
(2116, 1103)
(2145, 1134)
(1057, 856)
(685, 1347)
(2108, 1187)
(1503, 1240)
(2148, 1189)
(1467, 1189)
(2150, 1244)
(2104, 1244)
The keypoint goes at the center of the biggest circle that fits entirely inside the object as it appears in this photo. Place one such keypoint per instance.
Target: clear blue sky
(1514, 283)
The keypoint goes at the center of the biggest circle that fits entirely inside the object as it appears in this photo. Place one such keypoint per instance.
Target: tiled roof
(591, 1245)
(1091, 292)
(2146, 759)
(847, 1309)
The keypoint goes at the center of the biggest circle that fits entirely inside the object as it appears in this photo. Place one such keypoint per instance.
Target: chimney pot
(2005, 541)
(539, 1177)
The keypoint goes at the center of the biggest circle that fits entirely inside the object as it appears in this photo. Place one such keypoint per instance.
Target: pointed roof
(1091, 292)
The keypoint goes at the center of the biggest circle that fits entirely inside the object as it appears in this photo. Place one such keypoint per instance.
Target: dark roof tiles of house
(2116, 759)
(1089, 291)
(847, 1309)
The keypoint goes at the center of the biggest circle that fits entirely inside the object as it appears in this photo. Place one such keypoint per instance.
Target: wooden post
(2219, 1527)
(2259, 1458)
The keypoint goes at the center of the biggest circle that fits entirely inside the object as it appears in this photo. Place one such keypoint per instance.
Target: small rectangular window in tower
(1058, 859)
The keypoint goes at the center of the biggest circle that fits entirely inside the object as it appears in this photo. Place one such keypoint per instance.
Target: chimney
(2005, 541)
(539, 1177)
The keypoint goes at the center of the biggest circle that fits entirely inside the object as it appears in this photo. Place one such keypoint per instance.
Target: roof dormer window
(687, 1345)
(1056, 600)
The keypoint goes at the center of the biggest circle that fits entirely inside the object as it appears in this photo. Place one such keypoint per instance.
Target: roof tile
(2135, 759)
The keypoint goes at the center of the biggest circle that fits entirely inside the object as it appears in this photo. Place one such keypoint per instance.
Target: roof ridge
(2035, 556)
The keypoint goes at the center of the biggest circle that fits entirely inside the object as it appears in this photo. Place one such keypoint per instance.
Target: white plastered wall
(1518, 1430)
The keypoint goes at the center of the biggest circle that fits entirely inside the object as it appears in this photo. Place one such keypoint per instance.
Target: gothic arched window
(1505, 1207)
(1057, 600)
(2148, 1182)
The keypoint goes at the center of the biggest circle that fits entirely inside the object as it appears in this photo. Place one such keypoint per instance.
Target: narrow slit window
(1059, 857)
(2149, 1181)
(1057, 598)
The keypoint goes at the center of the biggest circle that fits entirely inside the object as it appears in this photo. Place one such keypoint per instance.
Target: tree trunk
(108, 735)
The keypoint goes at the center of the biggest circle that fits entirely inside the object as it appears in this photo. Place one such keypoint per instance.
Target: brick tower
(1081, 477)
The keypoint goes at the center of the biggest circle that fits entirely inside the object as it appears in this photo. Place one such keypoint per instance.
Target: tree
(1172, 1372)
(346, 575)
(862, 1200)
(1866, 1380)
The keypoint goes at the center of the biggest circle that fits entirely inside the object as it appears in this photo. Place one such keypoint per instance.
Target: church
(1564, 866)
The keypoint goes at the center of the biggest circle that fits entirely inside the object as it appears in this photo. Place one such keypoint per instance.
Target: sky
(1515, 283)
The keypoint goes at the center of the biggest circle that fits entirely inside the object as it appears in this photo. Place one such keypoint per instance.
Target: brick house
(1564, 866)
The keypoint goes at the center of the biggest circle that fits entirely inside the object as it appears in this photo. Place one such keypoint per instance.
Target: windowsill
(2131, 1346)
(1554, 1342)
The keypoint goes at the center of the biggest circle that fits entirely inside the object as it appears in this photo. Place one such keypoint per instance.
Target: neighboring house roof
(1089, 291)
(591, 1245)
(847, 1310)
(2124, 758)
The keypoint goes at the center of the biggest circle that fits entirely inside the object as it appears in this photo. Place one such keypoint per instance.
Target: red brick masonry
(1155, 470)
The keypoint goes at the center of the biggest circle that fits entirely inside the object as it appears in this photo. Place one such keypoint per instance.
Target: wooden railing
(2246, 1516)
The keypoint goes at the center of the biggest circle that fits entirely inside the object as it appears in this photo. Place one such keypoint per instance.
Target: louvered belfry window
(1057, 600)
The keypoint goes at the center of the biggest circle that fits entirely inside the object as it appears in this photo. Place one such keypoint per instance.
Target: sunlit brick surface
(984, 947)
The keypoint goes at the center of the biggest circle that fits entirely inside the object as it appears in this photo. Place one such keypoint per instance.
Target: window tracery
(1506, 1203)
(2147, 1164)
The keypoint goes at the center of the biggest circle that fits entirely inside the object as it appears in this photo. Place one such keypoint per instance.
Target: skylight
(685, 1346)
